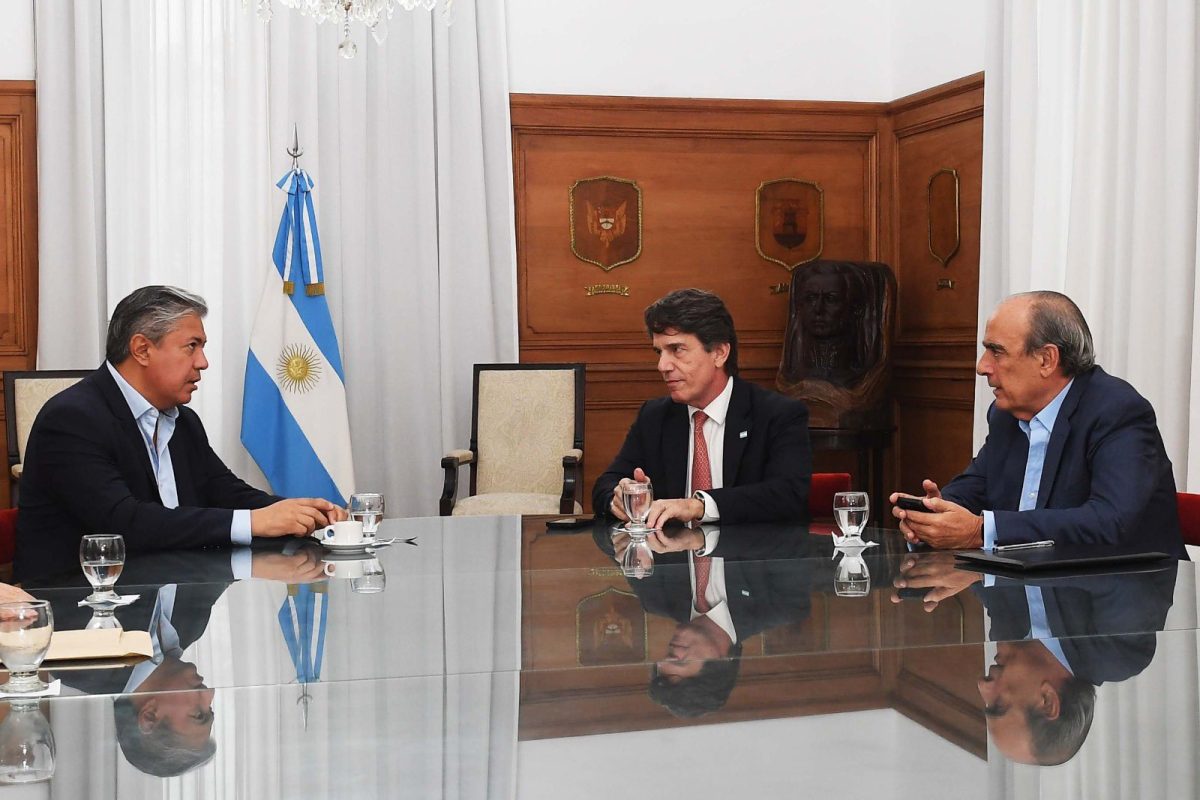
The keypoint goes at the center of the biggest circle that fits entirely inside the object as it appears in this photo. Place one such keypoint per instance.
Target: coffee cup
(344, 532)
(354, 569)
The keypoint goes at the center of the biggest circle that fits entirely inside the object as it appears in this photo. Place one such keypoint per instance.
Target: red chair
(820, 494)
(1189, 517)
(8, 541)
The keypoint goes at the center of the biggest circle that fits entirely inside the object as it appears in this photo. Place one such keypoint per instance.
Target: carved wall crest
(606, 221)
(610, 628)
(789, 221)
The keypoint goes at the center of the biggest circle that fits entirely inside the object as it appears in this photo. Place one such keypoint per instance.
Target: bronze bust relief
(837, 347)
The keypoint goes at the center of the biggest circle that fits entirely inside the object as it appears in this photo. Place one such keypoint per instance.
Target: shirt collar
(719, 407)
(138, 405)
(1049, 414)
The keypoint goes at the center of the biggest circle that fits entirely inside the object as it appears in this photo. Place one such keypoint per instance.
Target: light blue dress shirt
(1039, 626)
(1038, 431)
(149, 421)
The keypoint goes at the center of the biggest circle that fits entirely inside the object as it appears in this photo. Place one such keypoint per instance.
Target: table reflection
(499, 651)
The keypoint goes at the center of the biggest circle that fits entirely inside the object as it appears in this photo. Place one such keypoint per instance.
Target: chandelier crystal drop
(374, 14)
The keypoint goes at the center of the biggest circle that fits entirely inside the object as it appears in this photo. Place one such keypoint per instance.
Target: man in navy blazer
(1072, 453)
(757, 440)
(119, 452)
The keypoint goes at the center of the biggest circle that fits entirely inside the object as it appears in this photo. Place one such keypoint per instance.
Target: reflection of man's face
(1023, 677)
(689, 648)
(181, 702)
(825, 305)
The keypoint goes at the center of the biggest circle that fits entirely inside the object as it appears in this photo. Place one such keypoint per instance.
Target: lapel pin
(746, 592)
(743, 434)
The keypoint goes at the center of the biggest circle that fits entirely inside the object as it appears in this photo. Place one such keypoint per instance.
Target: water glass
(850, 511)
(26, 744)
(637, 498)
(638, 559)
(367, 508)
(25, 631)
(852, 578)
(102, 556)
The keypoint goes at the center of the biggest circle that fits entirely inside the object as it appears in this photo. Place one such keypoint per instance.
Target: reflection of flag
(305, 641)
(294, 419)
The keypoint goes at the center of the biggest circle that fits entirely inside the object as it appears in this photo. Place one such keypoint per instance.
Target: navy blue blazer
(767, 458)
(1106, 479)
(86, 470)
(1106, 624)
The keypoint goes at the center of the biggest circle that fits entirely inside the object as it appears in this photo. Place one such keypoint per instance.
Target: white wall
(874, 50)
(934, 41)
(16, 40)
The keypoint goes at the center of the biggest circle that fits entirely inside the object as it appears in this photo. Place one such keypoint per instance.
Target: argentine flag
(294, 420)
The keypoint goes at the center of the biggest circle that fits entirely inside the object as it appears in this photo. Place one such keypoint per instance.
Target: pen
(1024, 546)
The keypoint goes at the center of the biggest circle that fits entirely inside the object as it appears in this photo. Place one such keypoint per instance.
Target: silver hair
(153, 311)
(1055, 319)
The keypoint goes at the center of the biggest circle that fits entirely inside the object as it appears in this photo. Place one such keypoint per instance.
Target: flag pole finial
(294, 151)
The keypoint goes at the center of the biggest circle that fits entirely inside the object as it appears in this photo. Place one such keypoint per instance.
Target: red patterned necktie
(701, 479)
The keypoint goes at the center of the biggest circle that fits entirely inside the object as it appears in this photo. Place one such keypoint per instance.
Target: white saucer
(359, 547)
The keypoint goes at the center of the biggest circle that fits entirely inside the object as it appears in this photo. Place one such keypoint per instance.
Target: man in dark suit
(755, 463)
(119, 452)
(1072, 454)
(756, 578)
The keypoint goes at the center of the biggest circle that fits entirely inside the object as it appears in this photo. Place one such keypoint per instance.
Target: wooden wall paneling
(936, 328)
(699, 164)
(18, 234)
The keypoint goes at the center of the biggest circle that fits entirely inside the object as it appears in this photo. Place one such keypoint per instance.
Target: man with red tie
(718, 448)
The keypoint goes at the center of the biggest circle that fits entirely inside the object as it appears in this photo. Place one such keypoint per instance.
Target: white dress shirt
(714, 438)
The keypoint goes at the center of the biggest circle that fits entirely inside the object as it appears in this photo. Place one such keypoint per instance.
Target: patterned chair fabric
(527, 435)
(24, 395)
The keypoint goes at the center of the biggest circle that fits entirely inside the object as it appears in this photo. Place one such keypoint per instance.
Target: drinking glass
(26, 744)
(25, 630)
(852, 578)
(372, 581)
(367, 508)
(103, 619)
(102, 556)
(638, 559)
(851, 510)
(637, 498)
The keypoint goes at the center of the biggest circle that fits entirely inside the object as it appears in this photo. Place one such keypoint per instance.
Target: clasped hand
(684, 510)
(936, 572)
(298, 516)
(946, 526)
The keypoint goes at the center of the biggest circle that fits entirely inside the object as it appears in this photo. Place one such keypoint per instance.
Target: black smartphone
(913, 593)
(570, 523)
(912, 504)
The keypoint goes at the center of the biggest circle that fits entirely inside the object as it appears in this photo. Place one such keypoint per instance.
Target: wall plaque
(944, 223)
(789, 225)
(606, 221)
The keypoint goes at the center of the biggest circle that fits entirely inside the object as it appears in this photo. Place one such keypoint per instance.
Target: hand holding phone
(913, 504)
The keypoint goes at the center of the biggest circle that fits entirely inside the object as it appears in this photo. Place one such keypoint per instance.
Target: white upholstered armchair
(24, 395)
(526, 453)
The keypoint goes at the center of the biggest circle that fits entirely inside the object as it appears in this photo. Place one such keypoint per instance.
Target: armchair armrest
(451, 462)
(572, 477)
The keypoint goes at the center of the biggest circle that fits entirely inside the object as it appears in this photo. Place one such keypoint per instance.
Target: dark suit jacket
(1106, 480)
(766, 473)
(86, 470)
(1106, 624)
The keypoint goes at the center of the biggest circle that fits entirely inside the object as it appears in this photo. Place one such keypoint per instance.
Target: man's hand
(947, 526)
(302, 567)
(617, 506)
(678, 541)
(12, 594)
(294, 517)
(687, 510)
(936, 572)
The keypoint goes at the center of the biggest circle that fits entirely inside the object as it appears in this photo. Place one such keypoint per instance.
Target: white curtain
(163, 127)
(1090, 187)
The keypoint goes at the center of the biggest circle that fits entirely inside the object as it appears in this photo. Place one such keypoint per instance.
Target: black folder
(1059, 557)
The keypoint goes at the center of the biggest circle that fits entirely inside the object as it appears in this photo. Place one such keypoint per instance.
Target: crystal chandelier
(372, 13)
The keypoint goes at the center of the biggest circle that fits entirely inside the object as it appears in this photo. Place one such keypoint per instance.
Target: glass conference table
(488, 657)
